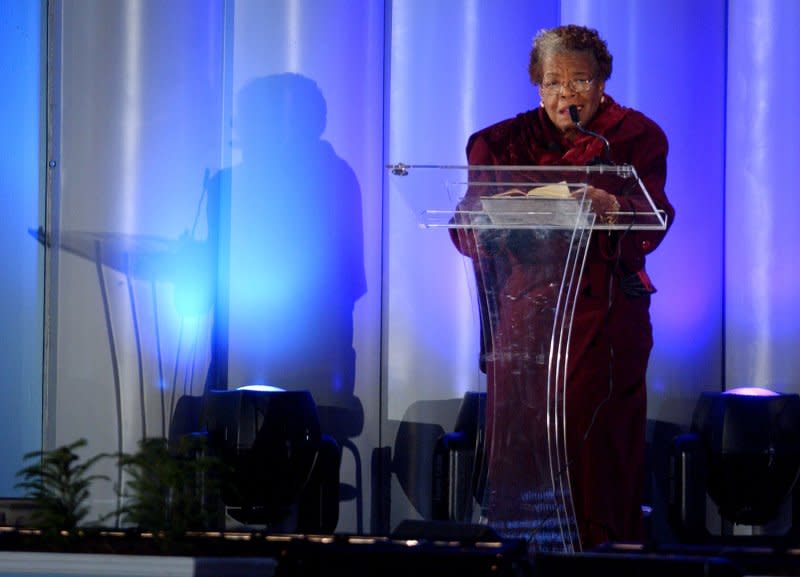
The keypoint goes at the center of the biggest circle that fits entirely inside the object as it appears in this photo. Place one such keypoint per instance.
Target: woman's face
(564, 75)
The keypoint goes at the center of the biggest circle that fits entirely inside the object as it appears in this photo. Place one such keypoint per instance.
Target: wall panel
(669, 62)
(762, 210)
(444, 83)
(21, 268)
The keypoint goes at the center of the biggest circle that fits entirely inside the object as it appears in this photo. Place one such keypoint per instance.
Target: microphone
(573, 114)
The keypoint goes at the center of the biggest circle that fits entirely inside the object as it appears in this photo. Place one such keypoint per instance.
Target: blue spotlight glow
(295, 249)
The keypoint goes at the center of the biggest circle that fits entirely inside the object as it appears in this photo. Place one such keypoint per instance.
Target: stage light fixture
(276, 457)
(743, 451)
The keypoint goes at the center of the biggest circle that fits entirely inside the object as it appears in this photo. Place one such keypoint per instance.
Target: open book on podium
(527, 231)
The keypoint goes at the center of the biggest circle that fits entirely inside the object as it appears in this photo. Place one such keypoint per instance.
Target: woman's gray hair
(569, 38)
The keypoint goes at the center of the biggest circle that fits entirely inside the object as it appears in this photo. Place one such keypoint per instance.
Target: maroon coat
(612, 336)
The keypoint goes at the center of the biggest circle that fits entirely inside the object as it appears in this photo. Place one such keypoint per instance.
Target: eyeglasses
(579, 85)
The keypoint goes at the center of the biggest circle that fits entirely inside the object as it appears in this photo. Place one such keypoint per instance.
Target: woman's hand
(604, 205)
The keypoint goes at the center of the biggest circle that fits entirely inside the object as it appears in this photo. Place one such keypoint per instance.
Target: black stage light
(275, 454)
(744, 452)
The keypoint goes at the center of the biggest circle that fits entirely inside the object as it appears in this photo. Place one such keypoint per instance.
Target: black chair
(459, 469)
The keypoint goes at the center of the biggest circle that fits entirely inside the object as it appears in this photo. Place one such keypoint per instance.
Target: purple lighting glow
(751, 392)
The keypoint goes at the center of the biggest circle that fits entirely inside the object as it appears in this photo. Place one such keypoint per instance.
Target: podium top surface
(476, 196)
(142, 256)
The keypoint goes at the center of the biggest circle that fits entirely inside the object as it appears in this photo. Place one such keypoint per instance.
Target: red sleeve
(478, 154)
(647, 152)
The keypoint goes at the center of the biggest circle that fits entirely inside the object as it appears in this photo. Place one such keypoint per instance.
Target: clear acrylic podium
(538, 217)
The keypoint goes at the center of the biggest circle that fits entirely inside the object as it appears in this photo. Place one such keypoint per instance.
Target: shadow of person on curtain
(287, 221)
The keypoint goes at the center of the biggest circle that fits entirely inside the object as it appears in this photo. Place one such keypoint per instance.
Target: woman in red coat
(612, 336)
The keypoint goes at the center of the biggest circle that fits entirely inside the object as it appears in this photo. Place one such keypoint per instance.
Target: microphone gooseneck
(573, 114)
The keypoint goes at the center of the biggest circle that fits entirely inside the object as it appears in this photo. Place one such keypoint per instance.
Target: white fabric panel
(445, 84)
(669, 62)
(762, 209)
(139, 103)
(336, 46)
(148, 118)
(455, 66)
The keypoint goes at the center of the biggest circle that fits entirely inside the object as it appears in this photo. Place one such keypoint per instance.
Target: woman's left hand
(604, 204)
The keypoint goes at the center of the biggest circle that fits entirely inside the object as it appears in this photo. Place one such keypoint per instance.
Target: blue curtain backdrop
(21, 104)
(718, 76)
